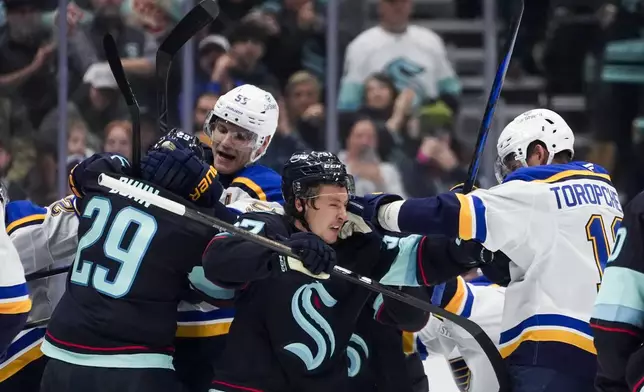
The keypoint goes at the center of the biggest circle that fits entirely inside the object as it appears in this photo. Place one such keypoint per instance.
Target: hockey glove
(367, 206)
(314, 253)
(470, 254)
(354, 224)
(182, 172)
(85, 173)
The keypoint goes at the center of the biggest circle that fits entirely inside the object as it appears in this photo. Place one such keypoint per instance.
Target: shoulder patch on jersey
(23, 213)
(560, 172)
(260, 183)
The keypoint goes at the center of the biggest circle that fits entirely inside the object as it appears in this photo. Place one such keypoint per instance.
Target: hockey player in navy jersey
(14, 298)
(293, 332)
(115, 325)
(556, 220)
(241, 126)
(618, 315)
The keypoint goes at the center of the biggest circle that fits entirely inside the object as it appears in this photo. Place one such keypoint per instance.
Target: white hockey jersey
(480, 302)
(416, 58)
(14, 297)
(45, 238)
(557, 224)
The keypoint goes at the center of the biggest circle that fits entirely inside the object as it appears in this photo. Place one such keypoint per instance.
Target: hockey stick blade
(488, 115)
(114, 60)
(198, 18)
(131, 192)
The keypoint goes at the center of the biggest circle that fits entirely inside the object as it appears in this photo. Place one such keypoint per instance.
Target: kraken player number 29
(129, 259)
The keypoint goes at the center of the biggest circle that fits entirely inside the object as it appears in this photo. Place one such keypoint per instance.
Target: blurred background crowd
(412, 80)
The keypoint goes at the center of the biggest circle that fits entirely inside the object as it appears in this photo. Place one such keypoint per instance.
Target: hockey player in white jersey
(480, 301)
(556, 220)
(14, 297)
(45, 239)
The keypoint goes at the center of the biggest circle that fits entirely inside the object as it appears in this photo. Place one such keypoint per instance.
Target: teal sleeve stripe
(403, 269)
(621, 295)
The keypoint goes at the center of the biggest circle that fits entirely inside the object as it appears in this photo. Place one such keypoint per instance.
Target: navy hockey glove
(367, 206)
(85, 173)
(182, 172)
(470, 254)
(316, 255)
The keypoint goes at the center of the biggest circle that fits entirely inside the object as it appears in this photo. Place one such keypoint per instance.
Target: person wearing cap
(98, 99)
(242, 63)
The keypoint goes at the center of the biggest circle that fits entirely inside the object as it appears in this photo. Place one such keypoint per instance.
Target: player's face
(328, 213)
(232, 147)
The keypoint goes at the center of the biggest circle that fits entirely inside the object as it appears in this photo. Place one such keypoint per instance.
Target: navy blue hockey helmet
(177, 138)
(310, 169)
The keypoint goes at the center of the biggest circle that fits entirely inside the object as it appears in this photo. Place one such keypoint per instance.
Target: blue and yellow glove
(178, 165)
(85, 174)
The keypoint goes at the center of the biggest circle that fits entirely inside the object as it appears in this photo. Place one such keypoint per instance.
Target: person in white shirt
(415, 57)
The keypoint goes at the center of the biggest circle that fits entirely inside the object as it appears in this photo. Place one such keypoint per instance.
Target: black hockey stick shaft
(46, 274)
(128, 191)
(114, 60)
(198, 18)
(495, 93)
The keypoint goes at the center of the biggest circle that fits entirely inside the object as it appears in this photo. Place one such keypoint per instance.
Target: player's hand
(182, 172)
(367, 206)
(316, 255)
(354, 224)
(470, 254)
(85, 173)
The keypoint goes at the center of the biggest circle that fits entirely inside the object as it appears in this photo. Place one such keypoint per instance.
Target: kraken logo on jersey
(355, 361)
(303, 300)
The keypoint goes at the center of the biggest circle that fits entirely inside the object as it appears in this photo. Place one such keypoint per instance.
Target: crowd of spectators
(399, 95)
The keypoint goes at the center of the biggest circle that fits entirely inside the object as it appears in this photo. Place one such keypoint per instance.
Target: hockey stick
(488, 115)
(129, 191)
(113, 58)
(46, 274)
(198, 18)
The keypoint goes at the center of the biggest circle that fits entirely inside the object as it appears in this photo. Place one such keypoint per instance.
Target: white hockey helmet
(250, 108)
(541, 125)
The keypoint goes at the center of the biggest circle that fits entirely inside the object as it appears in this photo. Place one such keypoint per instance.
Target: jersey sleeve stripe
(15, 291)
(471, 220)
(469, 301)
(16, 307)
(26, 221)
(455, 304)
(408, 340)
(465, 226)
(623, 303)
(248, 184)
